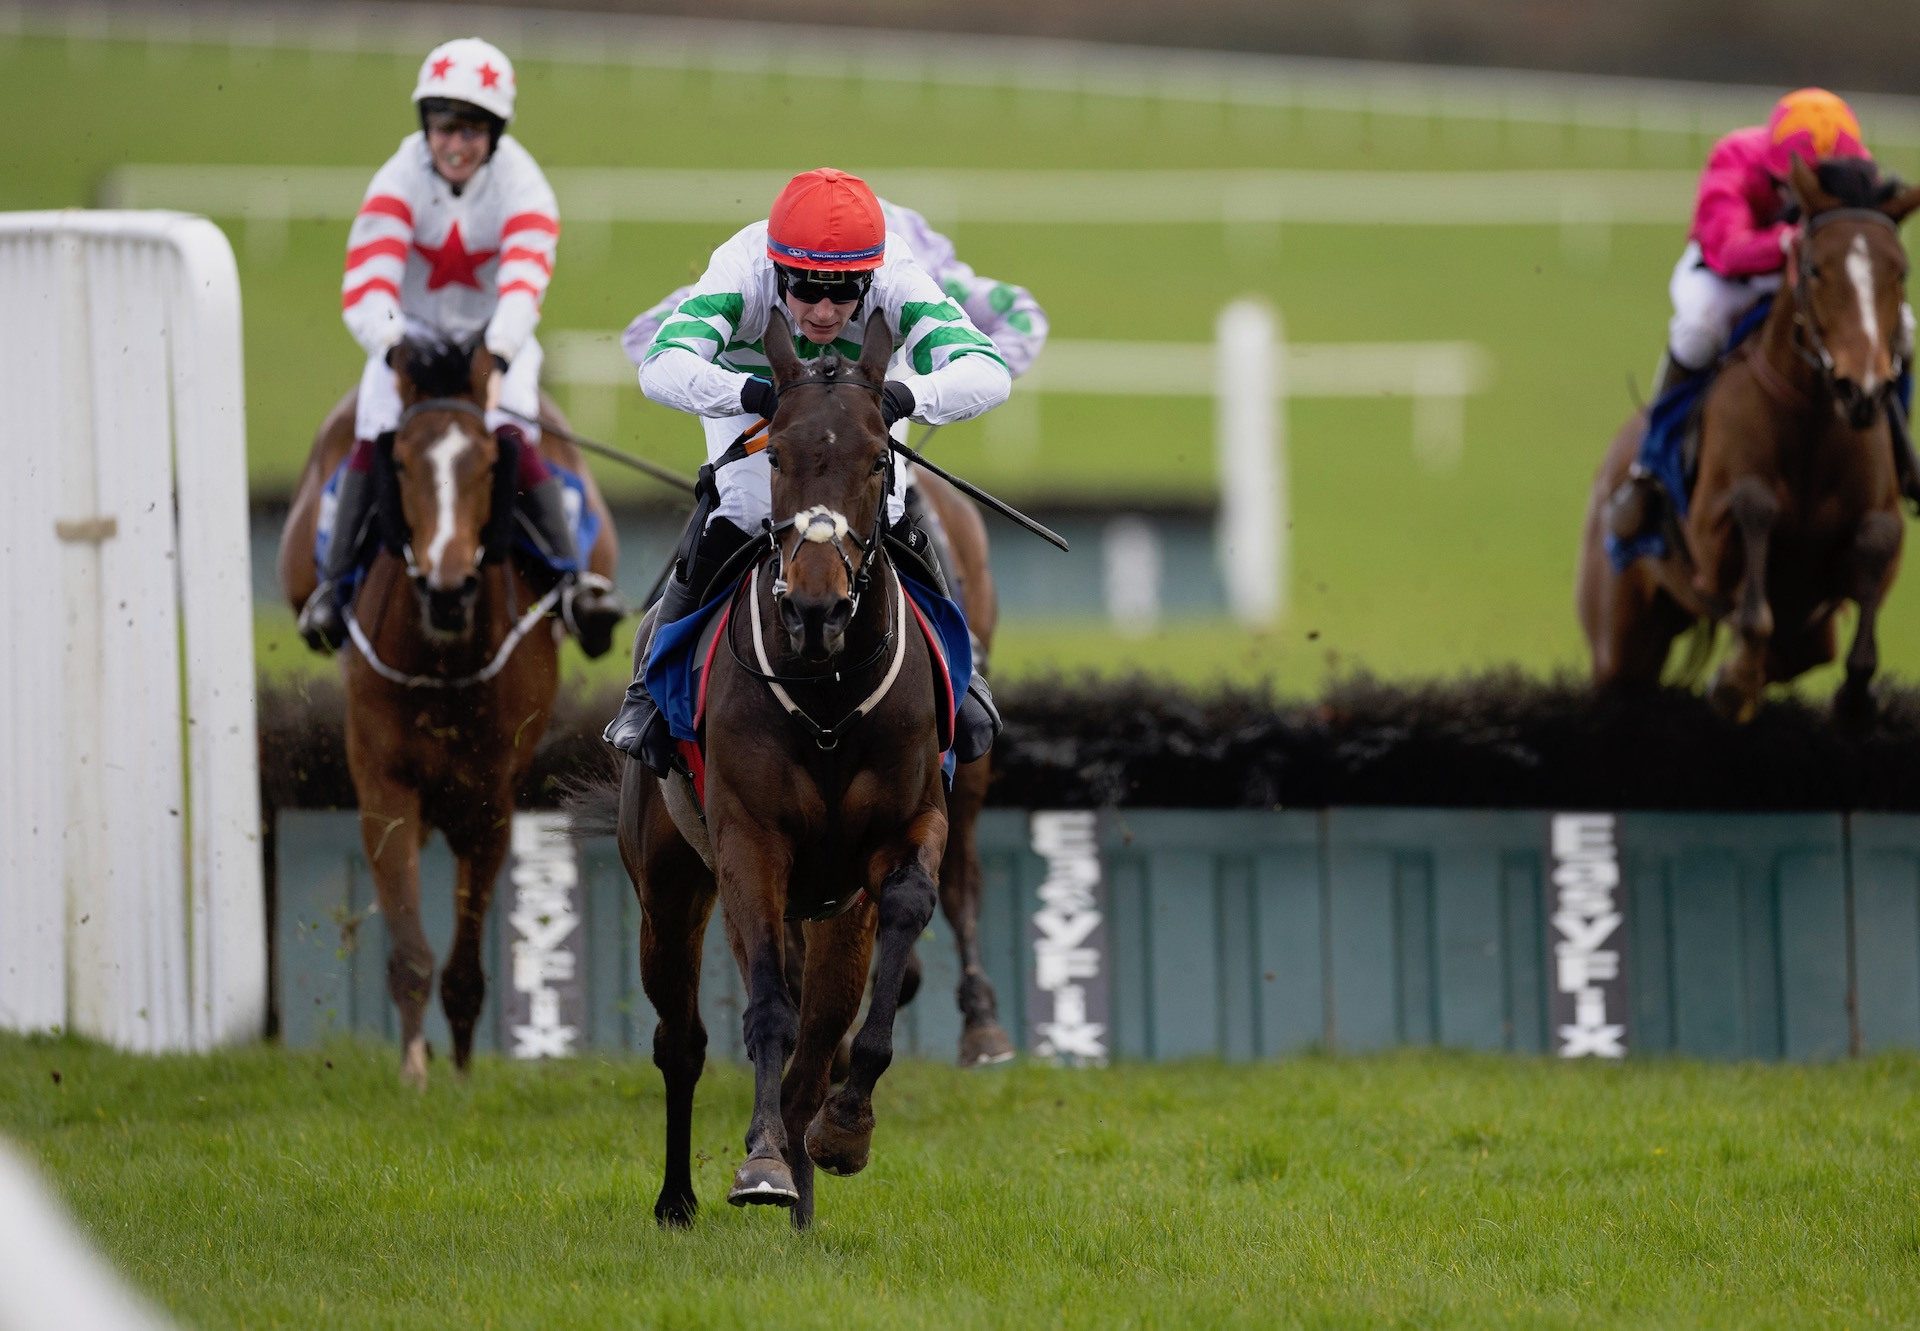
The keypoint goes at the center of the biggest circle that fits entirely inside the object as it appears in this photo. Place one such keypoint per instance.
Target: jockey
(825, 261)
(1009, 315)
(1736, 254)
(455, 239)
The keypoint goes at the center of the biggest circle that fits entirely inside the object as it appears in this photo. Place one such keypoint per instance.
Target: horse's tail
(1699, 637)
(591, 801)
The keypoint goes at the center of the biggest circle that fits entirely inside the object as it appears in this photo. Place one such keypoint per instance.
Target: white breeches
(746, 494)
(379, 407)
(1706, 306)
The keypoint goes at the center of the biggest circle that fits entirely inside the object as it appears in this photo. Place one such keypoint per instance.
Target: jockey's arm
(639, 334)
(1006, 313)
(377, 260)
(953, 369)
(528, 239)
(1723, 218)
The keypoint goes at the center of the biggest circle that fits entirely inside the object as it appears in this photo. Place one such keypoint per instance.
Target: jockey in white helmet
(455, 239)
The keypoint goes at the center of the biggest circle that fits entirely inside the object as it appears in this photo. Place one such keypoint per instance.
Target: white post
(1251, 452)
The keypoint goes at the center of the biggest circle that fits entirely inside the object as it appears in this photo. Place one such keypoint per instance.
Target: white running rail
(131, 906)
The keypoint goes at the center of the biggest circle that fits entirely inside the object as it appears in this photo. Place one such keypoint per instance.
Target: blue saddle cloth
(582, 521)
(676, 671)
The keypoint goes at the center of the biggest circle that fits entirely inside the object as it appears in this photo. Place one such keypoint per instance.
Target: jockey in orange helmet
(455, 239)
(1735, 256)
(826, 262)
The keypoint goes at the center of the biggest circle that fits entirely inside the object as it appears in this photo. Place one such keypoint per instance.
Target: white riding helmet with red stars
(467, 69)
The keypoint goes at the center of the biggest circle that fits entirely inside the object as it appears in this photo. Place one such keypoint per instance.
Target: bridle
(496, 544)
(1809, 341)
(821, 525)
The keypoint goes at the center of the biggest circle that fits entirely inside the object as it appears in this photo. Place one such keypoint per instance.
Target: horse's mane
(1856, 182)
(439, 368)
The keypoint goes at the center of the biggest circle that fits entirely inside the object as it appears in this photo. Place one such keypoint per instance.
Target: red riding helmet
(1813, 124)
(827, 221)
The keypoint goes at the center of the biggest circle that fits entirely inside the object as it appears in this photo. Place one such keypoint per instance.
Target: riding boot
(322, 623)
(1905, 465)
(917, 554)
(923, 516)
(1640, 501)
(639, 729)
(978, 723)
(589, 606)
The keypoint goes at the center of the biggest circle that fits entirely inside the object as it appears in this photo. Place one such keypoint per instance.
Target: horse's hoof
(984, 1045)
(1856, 710)
(840, 1138)
(675, 1211)
(413, 1065)
(763, 1181)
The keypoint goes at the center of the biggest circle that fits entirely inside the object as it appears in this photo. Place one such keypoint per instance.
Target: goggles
(455, 124)
(810, 288)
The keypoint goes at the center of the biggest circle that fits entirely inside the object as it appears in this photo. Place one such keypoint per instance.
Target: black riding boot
(1639, 502)
(924, 523)
(322, 623)
(589, 606)
(1906, 466)
(639, 730)
(978, 724)
(927, 558)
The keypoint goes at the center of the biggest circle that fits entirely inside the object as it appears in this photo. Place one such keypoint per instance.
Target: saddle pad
(684, 652)
(582, 521)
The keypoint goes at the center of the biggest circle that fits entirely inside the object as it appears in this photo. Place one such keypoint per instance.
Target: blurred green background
(1399, 567)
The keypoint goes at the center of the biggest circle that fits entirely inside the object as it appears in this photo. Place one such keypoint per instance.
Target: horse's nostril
(791, 617)
(840, 615)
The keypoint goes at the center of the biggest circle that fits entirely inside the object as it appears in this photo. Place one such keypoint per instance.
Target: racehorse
(451, 680)
(1796, 504)
(833, 812)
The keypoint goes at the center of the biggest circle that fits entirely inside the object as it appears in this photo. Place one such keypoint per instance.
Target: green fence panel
(1435, 928)
(1740, 933)
(1886, 928)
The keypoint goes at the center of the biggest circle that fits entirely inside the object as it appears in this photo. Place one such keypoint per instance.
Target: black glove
(758, 397)
(896, 400)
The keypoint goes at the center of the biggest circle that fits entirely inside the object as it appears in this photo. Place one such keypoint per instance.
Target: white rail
(131, 905)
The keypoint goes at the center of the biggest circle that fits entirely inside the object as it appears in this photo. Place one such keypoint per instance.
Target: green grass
(262, 1188)
(1399, 568)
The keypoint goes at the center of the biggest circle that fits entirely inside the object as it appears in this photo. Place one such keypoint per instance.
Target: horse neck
(391, 616)
(1783, 372)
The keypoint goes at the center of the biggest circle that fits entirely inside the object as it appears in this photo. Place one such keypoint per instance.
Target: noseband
(1809, 341)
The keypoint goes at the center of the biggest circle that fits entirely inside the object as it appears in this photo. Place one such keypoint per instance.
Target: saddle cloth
(685, 650)
(582, 521)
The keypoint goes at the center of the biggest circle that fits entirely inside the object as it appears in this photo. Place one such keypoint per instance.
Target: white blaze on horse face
(1860, 271)
(444, 454)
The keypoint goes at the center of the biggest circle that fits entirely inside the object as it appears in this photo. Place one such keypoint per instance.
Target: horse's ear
(479, 370)
(876, 348)
(781, 357)
(401, 357)
(1804, 181)
(1902, 204)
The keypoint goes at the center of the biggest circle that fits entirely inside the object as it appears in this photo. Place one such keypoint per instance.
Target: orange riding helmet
(1812, 124)
(827, 221)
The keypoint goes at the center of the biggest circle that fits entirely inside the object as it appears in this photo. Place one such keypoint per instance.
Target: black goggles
(810, 288)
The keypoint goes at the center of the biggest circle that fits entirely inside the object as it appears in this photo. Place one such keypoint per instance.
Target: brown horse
(450, 682)
(1796, 505)
(824, 802)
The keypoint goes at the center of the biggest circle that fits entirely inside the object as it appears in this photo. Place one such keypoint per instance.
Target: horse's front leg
(391, 832)
(1738, 683)
(841, 1134)
(833, 973)
(1870, 561)
(753, 868)
(479, 844)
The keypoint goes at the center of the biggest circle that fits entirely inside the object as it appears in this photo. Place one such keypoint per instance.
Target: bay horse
(450, 678)
(824, 801)
(1796, 504)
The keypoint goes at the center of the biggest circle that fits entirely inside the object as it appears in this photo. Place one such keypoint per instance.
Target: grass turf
(264, 1188)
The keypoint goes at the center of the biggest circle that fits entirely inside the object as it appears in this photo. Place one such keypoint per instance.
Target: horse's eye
(773, 458)
(879, 466)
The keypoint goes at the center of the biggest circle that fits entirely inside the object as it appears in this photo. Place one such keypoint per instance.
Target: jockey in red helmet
(826, 262)
(455, 239)
(1736, 254)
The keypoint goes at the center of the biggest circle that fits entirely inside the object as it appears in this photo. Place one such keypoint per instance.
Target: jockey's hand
(758, 396)
(896, 400)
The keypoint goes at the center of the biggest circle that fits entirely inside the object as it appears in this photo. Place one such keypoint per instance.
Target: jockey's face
(821, 321)
(459, 145)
